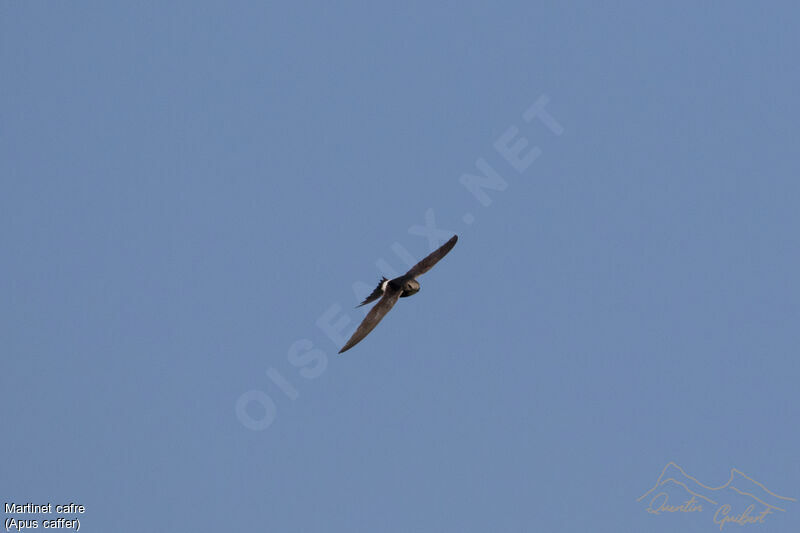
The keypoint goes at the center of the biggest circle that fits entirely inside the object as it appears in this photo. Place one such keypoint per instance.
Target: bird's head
(410, 287)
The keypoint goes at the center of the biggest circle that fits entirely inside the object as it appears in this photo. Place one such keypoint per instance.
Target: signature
(760, 502)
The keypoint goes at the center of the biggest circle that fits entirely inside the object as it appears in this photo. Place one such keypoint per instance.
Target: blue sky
(189, 189)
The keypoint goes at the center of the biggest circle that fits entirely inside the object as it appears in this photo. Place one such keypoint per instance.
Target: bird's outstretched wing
(427, 263)
(387, 301)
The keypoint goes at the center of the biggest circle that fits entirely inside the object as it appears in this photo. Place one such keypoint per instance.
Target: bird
(390, 290)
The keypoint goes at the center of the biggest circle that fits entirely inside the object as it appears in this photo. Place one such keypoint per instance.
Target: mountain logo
(741, 500)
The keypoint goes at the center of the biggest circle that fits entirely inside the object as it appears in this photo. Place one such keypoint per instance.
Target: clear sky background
(188, 188)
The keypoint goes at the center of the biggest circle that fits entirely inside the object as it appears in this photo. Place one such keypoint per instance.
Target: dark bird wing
(427, 263)
(390, 297)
